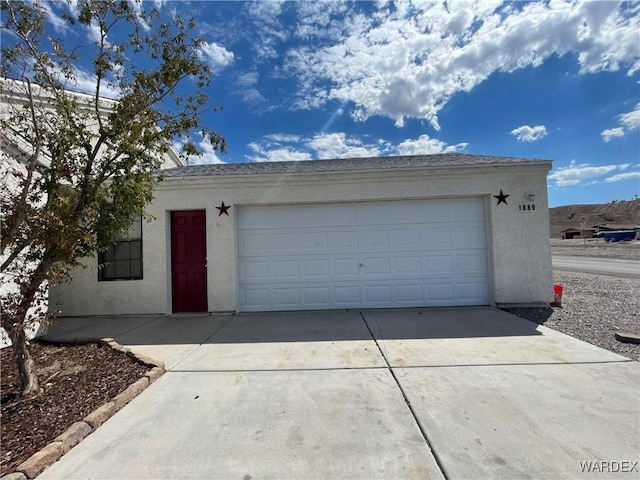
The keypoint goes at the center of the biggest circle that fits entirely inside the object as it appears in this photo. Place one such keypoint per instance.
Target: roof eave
(524, 166)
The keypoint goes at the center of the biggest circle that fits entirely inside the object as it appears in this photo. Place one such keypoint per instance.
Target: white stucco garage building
(431, 230)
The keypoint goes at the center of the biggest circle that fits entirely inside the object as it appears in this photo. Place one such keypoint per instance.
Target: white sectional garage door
(363, 255)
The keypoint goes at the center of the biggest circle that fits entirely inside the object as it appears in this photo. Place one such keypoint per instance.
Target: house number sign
(527, 207)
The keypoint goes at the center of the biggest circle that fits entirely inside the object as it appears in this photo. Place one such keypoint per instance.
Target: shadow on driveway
(311, 326)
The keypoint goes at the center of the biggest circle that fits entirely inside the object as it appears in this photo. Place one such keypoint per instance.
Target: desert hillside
(614, 213)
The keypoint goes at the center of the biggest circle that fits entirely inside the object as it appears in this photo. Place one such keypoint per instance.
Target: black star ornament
(223, 209)
(502, 198)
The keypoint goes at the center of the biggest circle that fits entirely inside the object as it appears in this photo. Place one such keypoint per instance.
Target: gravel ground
(594, 308)
(596, 247)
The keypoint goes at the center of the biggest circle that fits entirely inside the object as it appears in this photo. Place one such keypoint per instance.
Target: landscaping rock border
(52, 452)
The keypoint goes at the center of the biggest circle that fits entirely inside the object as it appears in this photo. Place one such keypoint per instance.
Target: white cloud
(281, 146)
(60, 25)
(576, 174)
(248, 79)
(137, 7)
(85, 82)
(407, 60)
(269, 31)
(526, 133)
(631, 120)
(628, 122)
(280, 154)
(320, 20)
(216, 56)
(425, 145)
(623, 176)
(283, 137)
(94, 33)
(338, 145)
(209, 155)
(247, 83)
(610, 134)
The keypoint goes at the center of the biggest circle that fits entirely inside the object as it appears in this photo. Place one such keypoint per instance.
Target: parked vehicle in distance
(619, 235)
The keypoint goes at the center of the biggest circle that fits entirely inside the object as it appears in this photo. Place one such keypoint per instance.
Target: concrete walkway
(411, 393)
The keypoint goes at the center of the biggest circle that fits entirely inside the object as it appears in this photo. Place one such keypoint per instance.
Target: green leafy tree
(76, 168)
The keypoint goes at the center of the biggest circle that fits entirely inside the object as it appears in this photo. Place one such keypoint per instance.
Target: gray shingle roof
(344, 164)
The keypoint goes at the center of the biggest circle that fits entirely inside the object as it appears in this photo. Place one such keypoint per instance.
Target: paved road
(619, 267)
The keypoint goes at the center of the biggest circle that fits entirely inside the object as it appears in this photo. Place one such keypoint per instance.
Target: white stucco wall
(518, 241)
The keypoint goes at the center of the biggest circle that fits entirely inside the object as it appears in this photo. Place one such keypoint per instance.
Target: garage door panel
(316, 268)
(251, 218)
(286, 297)
(374, 239)
(254, 298)
(314, 241)
(385, 254)
(253, 243)
(471, 263)
(434, 210)
(375, 294)
(438, 264)
(376, 266)
(338, 216)
(466, 209)
(283, 242)
(378, 294)
(371, 213)
(410, 293)
(346, 266)
(346, 295)
(436, 237)
(252, 270)
(439, 292)
(406, 238)
(404, 266)
(342, 240)
(472, 291)
(467, 236)
(317, 296)
(285, 269)
(397, 214)
(461, 265)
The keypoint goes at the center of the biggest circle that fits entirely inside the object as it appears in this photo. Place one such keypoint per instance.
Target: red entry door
(189, 261)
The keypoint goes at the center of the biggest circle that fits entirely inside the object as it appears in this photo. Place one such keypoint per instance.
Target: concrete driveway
(411, 393)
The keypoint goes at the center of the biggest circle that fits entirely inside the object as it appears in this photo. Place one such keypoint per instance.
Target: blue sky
(309, 80)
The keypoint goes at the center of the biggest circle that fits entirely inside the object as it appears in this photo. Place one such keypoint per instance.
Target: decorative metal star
(224, 209)
(502, 198)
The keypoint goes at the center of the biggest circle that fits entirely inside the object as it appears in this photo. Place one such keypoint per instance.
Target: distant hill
(614, 213)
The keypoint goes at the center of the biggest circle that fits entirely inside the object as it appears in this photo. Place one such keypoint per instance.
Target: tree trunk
(15, 320)
(24, 362)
